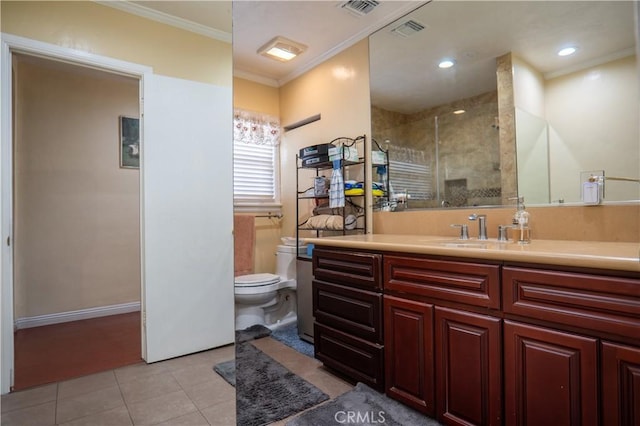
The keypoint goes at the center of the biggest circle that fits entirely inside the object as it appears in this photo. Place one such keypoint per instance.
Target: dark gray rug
(362, 406)
(256, 331)
(227, 369)
(266, 391)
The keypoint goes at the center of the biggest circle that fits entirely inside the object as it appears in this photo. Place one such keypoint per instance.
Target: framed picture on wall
(129, 142)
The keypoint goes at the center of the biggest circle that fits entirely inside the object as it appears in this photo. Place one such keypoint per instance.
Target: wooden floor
(59, 352)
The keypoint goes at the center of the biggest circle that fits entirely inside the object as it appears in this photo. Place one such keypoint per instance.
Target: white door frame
(10, 44)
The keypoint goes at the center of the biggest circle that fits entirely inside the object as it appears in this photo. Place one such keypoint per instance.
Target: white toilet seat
(255, 280)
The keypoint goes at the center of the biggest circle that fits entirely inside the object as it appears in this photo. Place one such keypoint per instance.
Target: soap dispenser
(521, 223)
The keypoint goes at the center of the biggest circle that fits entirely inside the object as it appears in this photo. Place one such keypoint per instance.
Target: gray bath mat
(266, 391)
(256, 331)
(366, 407)
(227, 370)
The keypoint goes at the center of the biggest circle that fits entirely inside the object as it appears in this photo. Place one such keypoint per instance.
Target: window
(256, 185)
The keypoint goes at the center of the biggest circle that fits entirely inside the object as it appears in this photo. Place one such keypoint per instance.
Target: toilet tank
(286, 260)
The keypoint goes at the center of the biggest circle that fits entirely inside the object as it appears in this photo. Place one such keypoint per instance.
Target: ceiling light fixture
(567, 51)
(459, 111)
(281, 49)
(446, 63)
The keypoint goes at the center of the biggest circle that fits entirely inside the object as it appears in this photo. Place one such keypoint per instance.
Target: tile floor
(181, 391)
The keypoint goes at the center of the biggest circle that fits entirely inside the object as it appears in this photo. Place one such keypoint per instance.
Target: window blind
(254, 173)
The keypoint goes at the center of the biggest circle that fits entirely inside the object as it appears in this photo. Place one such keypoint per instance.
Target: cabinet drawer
(605, 304)
(355, 311)
(357, 359)
(469, 283)
(353, 269)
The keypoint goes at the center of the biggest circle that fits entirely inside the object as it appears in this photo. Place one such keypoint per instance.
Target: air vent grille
(407, 29)
(360, 7)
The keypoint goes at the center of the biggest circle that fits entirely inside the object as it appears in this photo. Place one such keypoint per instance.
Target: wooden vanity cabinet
(551, 377)
(620, 370)
(443, 361)
(468, 362)
(483, 342)
(347, 307)
(557, 373)
(408, 344)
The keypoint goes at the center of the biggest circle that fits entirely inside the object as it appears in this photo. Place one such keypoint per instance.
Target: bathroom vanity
(485, 332)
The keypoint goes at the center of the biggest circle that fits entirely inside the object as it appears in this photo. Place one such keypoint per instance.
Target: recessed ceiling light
(446, 63)
(567, 51)
(459, 111)
(282, 49)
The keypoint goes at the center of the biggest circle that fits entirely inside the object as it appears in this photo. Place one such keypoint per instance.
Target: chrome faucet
(464, 231)
(482, 225)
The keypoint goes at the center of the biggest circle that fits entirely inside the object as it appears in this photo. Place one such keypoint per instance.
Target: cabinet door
(620, 385)
(408, 344)
(468, 368)
(550, 377)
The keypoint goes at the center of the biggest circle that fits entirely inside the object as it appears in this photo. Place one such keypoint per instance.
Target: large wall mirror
(511, 117)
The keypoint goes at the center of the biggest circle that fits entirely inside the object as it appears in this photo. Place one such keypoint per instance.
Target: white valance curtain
(255, 128)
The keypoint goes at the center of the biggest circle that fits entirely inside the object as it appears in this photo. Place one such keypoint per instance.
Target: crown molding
(255, 78)
(165, 18)
(591, 63)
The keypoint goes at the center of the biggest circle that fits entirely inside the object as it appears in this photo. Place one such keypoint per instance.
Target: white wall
(532, 144)
(528, 87)
(593, 121)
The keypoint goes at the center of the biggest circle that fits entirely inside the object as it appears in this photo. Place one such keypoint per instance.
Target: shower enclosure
(447, 156)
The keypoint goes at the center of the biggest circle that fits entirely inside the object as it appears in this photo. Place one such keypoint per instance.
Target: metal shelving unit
(354, 204)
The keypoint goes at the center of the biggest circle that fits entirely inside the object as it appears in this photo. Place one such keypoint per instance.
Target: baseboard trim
(82, 314)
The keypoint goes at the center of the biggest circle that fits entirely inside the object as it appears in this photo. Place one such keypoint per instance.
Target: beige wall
(91, 27)
(578, 223)
(257, 97)
(338, 89)
(592, 118)
(252, 96)
(593, 125)
(77, 230)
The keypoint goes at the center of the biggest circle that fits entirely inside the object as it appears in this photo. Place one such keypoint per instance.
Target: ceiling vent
(407, 29)
(359, 7)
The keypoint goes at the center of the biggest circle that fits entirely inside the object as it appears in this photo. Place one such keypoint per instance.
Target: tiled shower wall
(467, 170)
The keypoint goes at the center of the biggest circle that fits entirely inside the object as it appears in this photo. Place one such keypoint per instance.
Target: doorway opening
(76, 212)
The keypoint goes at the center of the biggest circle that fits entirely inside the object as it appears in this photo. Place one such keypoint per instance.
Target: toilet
(269, 299)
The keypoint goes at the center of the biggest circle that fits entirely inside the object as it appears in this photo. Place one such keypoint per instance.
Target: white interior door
(187, 217)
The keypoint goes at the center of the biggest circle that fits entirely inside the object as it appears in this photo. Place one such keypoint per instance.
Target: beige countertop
(589, 254)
